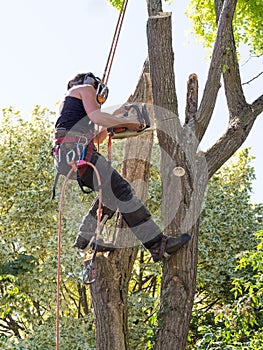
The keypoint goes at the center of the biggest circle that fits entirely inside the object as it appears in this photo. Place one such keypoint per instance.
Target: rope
(114, 43)
(99, 213)
(103, 80)
(59, 255)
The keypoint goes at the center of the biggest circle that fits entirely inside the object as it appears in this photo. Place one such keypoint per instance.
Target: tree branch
(207, 104)
(241, 115)
(257, 105)
(230, 142)
(232, 81)
(249, 81)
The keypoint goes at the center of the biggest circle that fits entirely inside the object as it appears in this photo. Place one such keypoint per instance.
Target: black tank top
(73, 116)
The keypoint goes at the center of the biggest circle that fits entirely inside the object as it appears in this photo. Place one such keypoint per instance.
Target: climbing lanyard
(103, 91)
(102, 94)
(90, 268)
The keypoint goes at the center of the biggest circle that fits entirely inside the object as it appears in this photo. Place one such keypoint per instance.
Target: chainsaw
(143, 119)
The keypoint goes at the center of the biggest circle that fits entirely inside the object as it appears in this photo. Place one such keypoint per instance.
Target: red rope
(59, 255)
(105, 78)
(114, 43)
(99, 213)
(109, 146)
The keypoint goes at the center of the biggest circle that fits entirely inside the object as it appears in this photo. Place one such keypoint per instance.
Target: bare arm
(88, 96)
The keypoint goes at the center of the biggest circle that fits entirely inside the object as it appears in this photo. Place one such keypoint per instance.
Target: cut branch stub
(191, 98)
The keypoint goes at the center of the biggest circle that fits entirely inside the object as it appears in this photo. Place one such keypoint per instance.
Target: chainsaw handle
(145, 116)
(142, 116)
(134, 106)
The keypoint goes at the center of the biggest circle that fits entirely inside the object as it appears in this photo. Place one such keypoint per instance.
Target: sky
(45, 43)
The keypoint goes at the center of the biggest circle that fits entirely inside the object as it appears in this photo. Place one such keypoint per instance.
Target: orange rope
(114, 43)
(104, 79)
(59, 256)
(99, 213)
(109, 146)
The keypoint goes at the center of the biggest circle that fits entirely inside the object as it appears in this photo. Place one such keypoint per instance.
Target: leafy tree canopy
(228, 223)
(28, 235)
(237, 324)
(248, 23)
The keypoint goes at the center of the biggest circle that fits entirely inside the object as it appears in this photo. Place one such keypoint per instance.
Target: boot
(168, 245)
(85, 243)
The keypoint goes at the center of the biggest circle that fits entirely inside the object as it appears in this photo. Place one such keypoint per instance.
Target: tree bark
(179, 147)
(109, 292)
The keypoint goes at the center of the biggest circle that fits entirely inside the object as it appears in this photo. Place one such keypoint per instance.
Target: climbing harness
(103, 91)
(68, 146)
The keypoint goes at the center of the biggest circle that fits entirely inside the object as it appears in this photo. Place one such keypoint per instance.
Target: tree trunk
(182, 195)
(109, 292)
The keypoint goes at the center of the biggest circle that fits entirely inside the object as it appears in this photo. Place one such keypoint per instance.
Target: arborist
(79, 118)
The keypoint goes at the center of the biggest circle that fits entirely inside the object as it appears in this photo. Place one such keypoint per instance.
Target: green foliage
(223, 316)
(74, 334)
(248, 23)
(248, 286)
(143, 302)
(28, 254)
(238, 325)
(116, 3)
(228, 222)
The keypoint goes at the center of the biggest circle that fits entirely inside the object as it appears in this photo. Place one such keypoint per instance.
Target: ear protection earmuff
(91, 80)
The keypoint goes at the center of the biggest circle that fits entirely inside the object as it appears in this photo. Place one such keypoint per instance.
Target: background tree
(227, 225)
(247, 22)
(177, 142)
(28, 227)
(236, 324)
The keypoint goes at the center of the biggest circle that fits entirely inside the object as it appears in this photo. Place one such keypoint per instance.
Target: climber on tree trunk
(75, 127)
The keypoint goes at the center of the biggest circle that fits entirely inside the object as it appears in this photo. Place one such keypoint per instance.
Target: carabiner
(80, 141)
(73, 156)
(89, 275)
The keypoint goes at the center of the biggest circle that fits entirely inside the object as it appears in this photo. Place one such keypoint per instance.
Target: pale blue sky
(44, 43)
